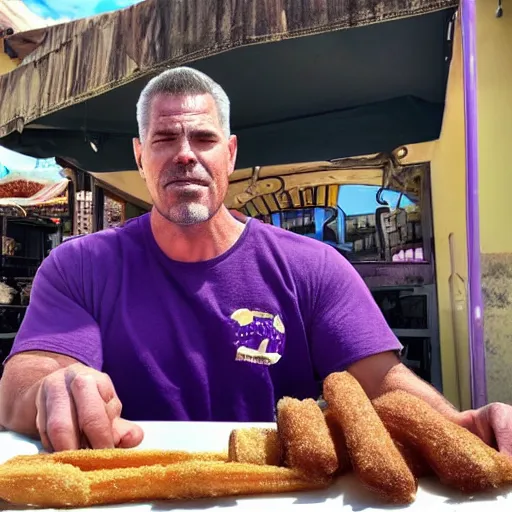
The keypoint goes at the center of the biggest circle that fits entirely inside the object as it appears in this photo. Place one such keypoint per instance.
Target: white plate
(345, 495)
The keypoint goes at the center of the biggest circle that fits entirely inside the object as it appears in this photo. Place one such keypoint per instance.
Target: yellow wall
(449, 207)
(494, 61)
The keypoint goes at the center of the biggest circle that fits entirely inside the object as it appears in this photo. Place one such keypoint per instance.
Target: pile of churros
(388, 443)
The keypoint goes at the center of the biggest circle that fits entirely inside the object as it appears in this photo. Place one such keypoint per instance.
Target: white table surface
(345, 495)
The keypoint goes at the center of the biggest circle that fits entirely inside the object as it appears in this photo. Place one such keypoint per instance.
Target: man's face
(186, 158)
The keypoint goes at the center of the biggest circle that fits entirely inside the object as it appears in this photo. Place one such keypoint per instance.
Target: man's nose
(185, 154)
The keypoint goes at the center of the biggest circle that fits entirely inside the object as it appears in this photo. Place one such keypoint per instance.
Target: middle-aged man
(188, 313)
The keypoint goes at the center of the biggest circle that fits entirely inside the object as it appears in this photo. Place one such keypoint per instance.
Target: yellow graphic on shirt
(259, 336)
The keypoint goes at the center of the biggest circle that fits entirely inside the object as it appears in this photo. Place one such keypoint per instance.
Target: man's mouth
(187, 182)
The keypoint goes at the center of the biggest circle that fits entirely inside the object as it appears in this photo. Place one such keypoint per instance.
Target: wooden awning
(72, 62)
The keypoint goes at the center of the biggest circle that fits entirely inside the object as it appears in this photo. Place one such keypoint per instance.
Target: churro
(344, 464)
(89, 460)
(63, 485)
(459, 458)
(375, 458)
(417, 464)
(255, 446)
(307, 443)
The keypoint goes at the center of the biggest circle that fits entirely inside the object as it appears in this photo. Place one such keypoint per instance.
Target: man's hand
(77, 407)
(492, 423)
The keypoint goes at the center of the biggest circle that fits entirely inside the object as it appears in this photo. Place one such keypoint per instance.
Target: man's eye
(167, 138)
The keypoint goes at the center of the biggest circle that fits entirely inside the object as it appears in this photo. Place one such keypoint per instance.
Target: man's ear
(233, 150)
(137, 153)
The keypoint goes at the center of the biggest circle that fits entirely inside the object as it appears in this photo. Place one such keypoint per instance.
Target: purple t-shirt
(218, 340)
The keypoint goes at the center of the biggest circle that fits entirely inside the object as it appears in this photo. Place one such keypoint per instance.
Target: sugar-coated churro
(375, 458)
(89, 460)
(255, 446)
(63, 485)
(417, 464)
(459, 458)
(344, 464)
(307, 443)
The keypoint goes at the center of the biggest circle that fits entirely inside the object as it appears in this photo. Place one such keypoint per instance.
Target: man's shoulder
(100, 244)
(304, 257)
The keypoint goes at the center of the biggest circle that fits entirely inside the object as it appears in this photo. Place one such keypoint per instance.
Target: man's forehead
(168, 106)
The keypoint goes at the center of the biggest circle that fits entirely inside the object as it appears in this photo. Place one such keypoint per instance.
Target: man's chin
(189, 215)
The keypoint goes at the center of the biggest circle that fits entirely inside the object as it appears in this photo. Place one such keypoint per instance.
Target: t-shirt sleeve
(347, 324)
(58, 318)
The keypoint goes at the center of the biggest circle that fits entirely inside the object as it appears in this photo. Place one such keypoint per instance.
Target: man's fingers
(500, 416)
(482, 426)
(106, 388)
(41, 420)
(93, 419)
(130, 434)
(114, 408)
(56, 417)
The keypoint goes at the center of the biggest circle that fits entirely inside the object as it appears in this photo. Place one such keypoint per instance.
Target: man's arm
(381, 373)
(58, 330)
(52, 386)
(63, 402)
(20, 384)
(349, 332)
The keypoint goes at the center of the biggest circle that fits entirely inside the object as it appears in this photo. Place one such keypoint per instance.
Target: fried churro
(344, 464)
(89, 460)
(42, 484)
(307, 443)
(63, 485)
(375, 458)
(255, 446)
(459, 458)
(417, 464)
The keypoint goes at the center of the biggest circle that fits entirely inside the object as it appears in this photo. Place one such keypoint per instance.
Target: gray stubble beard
(188, 214)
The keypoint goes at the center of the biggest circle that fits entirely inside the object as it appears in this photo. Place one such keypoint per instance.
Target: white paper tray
(345, 495)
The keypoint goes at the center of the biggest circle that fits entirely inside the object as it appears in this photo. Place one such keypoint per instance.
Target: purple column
(476, 328)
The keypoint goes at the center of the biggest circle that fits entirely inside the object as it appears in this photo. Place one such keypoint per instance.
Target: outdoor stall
(326, 96)
(35, 215)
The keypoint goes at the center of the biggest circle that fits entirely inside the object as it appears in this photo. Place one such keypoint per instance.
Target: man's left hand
(492, 423)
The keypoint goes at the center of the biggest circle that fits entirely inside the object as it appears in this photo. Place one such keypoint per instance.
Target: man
(189, 313)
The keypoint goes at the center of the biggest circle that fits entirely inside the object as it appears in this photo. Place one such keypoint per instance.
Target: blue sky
(73, 9)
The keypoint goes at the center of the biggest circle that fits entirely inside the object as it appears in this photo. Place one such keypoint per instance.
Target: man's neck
(199, 242)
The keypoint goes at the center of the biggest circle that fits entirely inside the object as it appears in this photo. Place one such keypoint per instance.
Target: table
(345, 495)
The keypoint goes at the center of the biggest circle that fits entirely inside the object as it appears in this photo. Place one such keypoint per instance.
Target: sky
(65, 10)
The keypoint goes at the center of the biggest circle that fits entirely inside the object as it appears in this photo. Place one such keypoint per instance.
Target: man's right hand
(78, 407)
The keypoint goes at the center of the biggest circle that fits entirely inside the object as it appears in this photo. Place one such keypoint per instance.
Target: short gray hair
(182, 81)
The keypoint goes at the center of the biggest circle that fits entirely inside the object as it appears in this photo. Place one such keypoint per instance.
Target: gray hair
(182, 81)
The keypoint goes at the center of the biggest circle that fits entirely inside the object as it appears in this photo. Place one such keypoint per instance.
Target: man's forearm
(19, 387)
(384, 372)
(19, 414)
(400, 377)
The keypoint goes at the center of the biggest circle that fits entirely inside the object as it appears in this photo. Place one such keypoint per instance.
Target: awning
(80, 80)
